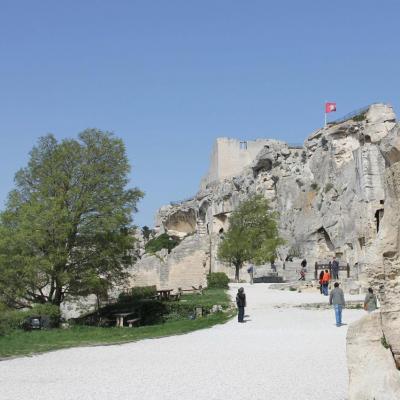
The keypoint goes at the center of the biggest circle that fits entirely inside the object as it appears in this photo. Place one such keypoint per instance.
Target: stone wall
(187, 265)
(230, 156)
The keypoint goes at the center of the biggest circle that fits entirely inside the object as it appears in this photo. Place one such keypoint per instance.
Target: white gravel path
(280, 353)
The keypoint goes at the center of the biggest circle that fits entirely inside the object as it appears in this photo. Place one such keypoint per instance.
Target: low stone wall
(187, 265)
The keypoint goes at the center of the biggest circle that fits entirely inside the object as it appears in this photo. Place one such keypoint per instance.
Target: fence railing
(352, 114)
(177, 203)
(295, 145)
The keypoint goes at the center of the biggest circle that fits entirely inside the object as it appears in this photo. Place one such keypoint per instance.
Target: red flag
(329, 107)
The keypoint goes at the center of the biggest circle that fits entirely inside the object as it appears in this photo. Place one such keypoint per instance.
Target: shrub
(384, 343)
(14, 319)
(328, 187)
(163, 241)
(314, 186)
(217, 280)
(359, 117)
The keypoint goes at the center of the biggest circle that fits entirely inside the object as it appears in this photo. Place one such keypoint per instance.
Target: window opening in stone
(243, 145)
(221, 231)
(367, 139)
(378, 218)
(361, 240)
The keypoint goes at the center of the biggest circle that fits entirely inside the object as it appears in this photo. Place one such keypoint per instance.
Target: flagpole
(325, 114)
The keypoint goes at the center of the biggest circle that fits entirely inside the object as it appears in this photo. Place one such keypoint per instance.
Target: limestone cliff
(372, 367)
(329, 192)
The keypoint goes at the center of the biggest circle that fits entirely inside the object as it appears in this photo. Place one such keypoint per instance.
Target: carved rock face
(385, 275)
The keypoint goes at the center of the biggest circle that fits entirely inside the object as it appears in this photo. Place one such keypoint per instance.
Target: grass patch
(18, 342)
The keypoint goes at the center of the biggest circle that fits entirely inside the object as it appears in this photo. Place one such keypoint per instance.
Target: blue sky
(170, 76)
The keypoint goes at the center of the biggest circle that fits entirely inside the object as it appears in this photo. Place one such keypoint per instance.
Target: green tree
(252, 235)
(67, 226)
(147, 232)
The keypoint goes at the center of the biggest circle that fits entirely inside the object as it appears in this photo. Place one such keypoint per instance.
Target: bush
(314, 186)
(217, 280)
(137, 293)
(163, 241)
(359, 117)
(149, 311)
(14, 319)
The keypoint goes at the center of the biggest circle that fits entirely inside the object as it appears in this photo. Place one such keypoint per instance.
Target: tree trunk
(57, 299)
(237, 269)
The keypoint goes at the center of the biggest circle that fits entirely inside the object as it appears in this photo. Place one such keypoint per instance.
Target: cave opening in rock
(325, 238)
(181, 222)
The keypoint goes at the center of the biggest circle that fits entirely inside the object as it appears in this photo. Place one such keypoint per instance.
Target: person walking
(321, 276)
(336, 299)
(250, 270)
(325, 283)
(335, 268)
(370, 302)
(241, 304)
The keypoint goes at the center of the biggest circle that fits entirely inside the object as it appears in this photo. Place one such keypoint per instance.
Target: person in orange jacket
(325, 282)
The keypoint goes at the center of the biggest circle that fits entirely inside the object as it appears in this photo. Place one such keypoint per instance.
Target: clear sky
(170, 76)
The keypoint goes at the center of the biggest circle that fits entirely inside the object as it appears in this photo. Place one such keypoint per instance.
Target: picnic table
(120, 318)
(164, 294)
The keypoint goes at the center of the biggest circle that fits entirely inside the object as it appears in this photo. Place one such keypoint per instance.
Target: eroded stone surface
(372, 371)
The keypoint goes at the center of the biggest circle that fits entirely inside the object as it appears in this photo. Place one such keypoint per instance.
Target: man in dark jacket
(336, 299)
(335, 268)
(241, 303)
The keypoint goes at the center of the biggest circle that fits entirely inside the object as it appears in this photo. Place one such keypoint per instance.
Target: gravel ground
(279, 353)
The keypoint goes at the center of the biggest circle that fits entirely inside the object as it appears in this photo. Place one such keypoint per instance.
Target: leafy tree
(252, 235)
(147, 232)
(164, 241)
(66, 229)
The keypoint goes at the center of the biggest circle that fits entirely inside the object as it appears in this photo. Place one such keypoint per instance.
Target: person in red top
(325, 283)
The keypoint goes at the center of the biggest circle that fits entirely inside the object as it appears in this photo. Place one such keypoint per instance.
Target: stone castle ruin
(329, 193)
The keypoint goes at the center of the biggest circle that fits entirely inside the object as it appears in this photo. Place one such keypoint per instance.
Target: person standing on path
(335, 268)
(321, 276)
(325, 282)
(250, 270)
(337, 300)
(241, 303)
(370, 302)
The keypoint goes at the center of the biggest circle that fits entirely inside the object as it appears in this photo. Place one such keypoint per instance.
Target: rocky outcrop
(372, 371)
(378, 377)
(329, 193)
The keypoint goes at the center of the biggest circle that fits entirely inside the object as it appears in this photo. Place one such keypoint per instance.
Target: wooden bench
(133, 321)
